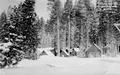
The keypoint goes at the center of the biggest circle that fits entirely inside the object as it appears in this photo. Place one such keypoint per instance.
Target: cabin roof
(46, 50)
(94, 48)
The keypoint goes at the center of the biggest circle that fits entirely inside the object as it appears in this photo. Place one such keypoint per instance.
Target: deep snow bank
(65, 66)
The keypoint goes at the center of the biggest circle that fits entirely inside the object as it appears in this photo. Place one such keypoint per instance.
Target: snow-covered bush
(9, 54)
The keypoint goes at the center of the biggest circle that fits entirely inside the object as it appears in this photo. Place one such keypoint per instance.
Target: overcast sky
(41, 6)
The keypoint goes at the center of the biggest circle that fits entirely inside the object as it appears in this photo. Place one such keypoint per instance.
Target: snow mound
(66, 66)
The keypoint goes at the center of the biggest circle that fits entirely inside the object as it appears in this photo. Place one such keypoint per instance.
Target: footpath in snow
(66, 66)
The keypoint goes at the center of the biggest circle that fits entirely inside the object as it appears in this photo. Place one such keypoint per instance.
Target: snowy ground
(66, 66)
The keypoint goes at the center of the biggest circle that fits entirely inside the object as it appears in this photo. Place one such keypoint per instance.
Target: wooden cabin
(64, 52)
(93, 51)
(74, 51)
(46, 51)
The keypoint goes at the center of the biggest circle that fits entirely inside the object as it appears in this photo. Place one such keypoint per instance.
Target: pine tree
(106, 20)
(4, 32)
(92, 23)
(67, 21)
(93, 36)
(29, 27)
(80, 16)
(3, 21)
(21, 30)
(55, 9)
(9, 49)
(89, 16)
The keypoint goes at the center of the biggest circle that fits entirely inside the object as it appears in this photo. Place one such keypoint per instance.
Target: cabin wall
(112, 50)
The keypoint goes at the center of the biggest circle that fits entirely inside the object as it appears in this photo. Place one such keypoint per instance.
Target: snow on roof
(65, 52)
(98, 47)
(77, 49)
(49, 53)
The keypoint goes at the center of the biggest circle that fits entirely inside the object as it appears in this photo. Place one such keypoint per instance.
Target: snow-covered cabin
(115, 44)
(46, 51)
(93, 51)
(74, 51)
(77, 49)
(64, 52)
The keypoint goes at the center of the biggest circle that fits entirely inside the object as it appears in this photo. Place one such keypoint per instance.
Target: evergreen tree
(21, 30)
(93, 36)
(67, 22)
(3, 21)
(102, 28)
(106, 20)
(9, 49)
(92, 24)
(29, 27)
(55, 20)
(3, 32)
(80, 16)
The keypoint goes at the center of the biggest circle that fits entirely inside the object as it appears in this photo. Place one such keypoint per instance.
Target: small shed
(74, 51)
(93, 51)
(64, 52)
(46, 51)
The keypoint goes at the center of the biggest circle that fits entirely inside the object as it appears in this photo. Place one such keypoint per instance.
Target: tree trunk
(87, 44)
(69, 38)
(65, 36)
(58, 36)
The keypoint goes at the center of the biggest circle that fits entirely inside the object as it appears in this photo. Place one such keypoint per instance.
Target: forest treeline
(79, 24)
